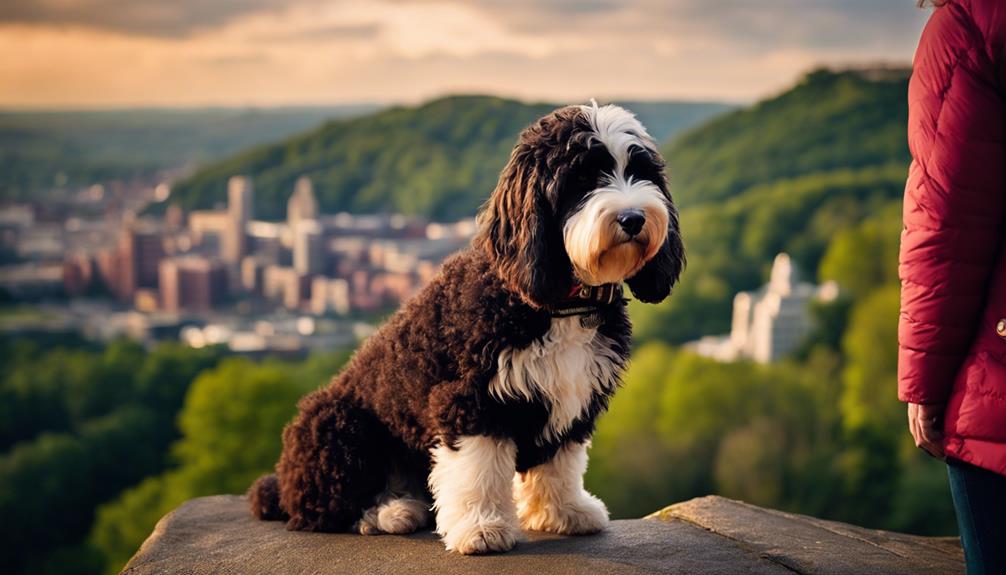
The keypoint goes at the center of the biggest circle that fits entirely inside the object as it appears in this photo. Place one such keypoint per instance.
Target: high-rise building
(302, 204)
(140, 251)
(308, 248)
(240, 200)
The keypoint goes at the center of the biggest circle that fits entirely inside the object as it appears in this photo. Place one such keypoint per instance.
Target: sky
(116, 53)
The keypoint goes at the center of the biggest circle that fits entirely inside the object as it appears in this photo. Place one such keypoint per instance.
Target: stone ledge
(707, 535)
(809, 545)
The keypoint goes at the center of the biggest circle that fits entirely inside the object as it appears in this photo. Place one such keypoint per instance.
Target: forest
(439, 159)
(99, 442)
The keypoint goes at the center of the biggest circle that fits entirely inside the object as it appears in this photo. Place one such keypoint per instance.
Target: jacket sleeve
(953, 204)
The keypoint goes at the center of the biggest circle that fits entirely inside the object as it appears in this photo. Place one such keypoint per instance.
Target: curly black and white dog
(481, 394)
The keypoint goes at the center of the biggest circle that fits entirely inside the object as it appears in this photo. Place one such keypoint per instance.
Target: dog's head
(583, 199)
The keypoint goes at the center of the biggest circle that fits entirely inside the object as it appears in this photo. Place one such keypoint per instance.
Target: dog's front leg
(551, 497)
(472, 494)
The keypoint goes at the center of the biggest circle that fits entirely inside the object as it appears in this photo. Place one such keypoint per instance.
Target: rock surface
(707, 535)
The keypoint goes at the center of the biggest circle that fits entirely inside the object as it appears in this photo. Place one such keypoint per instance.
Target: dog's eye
(641, 164)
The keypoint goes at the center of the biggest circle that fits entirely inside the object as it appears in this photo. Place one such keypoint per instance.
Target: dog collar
(604, 294)
(586, 301)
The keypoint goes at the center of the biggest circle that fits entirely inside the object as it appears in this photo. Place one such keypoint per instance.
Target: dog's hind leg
(397, 514)
(403, 507)
(334, 463)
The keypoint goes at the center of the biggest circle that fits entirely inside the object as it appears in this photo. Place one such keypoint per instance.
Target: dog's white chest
(564, 370)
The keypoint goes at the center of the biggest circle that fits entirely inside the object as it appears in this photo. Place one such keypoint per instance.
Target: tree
(82, 424)
(50, 487)
(869, 399)
(231, 427)
(686, 426)
(873, 420)
(865, 257)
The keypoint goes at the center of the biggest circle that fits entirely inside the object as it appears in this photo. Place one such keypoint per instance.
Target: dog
(476, 401)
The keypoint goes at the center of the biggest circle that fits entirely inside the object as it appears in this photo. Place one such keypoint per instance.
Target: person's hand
(926, 425)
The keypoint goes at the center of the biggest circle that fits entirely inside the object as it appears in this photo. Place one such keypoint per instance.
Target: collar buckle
(586, 301)
(604, 294)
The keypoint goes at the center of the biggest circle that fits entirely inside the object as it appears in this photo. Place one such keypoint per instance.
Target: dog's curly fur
(424, 379)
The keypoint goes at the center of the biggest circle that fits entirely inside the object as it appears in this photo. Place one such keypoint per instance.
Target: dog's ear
(653, 283)
(518, 227)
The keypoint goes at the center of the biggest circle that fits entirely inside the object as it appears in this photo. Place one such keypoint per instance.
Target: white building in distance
(770, 322)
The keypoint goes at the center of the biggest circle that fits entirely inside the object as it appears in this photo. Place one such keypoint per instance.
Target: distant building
(330, 296)
(274, 280)
(308, 248)
(208, 226)
(252, 274)
(285, 285)
(107, 267)
(191, 284)
(270, 241)
(302, 204)
(240, 200)
(141, 248)
(174, 217)
(771, 322)
(204, 259)
(79, 274)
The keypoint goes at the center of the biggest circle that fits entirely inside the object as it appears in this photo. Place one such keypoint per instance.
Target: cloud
(809, 24)
(224, 61)
(365, 31)
(758, 25)
(143, 17)
(265, 52)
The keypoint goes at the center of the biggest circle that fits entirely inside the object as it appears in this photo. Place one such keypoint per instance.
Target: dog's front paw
(583, 515)
(492, 536)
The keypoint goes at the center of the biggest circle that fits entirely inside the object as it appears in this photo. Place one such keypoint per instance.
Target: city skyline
(306, 52)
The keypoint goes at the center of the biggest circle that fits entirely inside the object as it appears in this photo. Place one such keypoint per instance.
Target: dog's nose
(631, 221)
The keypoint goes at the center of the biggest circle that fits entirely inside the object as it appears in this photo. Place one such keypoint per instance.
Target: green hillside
(43, 149)
(828, 121)
(440, 159)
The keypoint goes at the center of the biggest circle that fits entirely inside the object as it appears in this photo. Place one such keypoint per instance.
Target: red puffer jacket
(952, 330)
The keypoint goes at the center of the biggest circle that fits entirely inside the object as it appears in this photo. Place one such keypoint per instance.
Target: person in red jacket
(952, 328)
